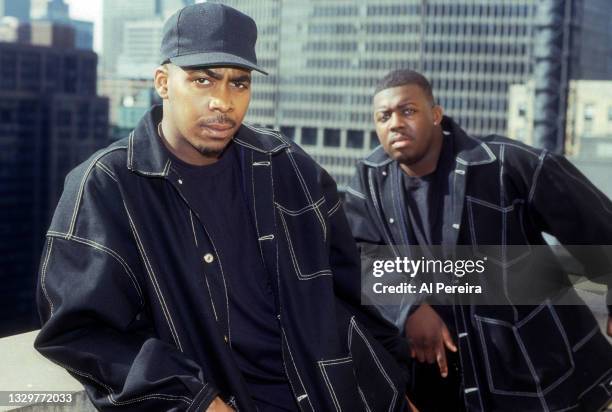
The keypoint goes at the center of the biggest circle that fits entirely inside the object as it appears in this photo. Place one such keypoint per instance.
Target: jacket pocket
(530, 357)
(339, 377)
(377, 384)
(498, 232)
(304, 230)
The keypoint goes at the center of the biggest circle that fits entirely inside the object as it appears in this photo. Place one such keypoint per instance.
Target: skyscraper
(58, 13)
(116, 13)
(50, 120)
(325, 59)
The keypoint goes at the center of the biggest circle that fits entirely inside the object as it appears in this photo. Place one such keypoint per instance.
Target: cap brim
(214, 59)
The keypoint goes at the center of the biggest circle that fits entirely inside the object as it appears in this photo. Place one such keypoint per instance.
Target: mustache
(400, 135)
(219, 119)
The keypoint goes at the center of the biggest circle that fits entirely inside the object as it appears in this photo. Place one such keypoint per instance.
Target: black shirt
(215, 193)
(426, 197)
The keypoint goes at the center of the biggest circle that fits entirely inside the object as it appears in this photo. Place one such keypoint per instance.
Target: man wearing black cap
(204, 264)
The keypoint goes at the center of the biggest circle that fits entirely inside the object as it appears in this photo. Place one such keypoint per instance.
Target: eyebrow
(242, 78)
(401, 105)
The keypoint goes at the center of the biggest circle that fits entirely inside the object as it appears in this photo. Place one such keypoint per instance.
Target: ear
(438, 113)
(161, 81)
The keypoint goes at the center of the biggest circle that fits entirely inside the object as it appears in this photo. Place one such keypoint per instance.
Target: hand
(428, 336)
(217, 405)
(411, 406)
(609, 330)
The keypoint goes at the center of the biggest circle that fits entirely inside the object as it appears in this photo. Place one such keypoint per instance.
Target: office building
(325, 58)
(50, 120)
(588, 130)
(115, 15)
(57, 12)
(15, 8)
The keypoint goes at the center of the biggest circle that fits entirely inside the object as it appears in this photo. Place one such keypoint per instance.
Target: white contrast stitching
(355, 327)
(111, 392)
(307, 193)
(156, 287)
(322, 365)
(111, 252)
(44, 273)
(195, 238)
(303, 210)
(82, 185)
(300, 275)
(334, 209)
(536, 174)
(584, 340)
(355, 193)
(295, 368)
(106, 170)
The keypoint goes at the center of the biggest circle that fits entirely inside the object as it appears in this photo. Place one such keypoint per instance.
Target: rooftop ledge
(24, 370)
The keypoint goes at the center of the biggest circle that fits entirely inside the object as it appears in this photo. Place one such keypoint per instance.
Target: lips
(401, 140)
(219, 130)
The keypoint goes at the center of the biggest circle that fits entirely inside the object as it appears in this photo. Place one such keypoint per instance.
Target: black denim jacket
(124, 295)
(504, 194)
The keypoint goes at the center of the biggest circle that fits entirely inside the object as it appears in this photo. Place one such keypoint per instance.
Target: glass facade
(51, 120)
(325, 58)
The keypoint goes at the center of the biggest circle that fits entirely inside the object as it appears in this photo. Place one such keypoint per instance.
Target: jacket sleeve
(566, 204)
(345, 264)
(364, 226)
(364, 230)
(95, 319)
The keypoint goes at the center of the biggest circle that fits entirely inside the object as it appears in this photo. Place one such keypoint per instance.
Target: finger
(448, 340)
(442, 364)
(431, 355)
(420, 354)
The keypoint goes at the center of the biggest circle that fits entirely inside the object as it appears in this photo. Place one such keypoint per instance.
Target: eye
(240, 85)
(409, 112)
(383, 117)
(202, 81)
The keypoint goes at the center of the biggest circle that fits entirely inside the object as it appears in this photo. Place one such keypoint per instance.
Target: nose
(396, 121)
(220, 102)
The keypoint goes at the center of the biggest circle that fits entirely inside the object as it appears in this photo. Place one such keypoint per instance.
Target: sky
(90, 10)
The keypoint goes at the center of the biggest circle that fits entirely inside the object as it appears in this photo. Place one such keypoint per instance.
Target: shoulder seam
(82, 185)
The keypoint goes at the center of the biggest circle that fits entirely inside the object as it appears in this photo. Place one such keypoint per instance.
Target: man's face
(406, 121)
(206, 105)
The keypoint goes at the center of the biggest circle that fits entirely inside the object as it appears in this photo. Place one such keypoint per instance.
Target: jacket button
(384, 173)
(209, 258)
(225, 338)
(455, 225)
(391, 220)
(180, 181)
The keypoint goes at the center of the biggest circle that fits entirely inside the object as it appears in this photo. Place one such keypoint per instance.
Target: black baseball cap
(210, 34)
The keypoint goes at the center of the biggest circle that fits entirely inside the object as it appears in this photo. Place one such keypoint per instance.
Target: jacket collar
(468, 150)
(147, 155)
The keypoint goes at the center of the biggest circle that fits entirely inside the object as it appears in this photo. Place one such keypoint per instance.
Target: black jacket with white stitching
(123, 285)
(504, 195)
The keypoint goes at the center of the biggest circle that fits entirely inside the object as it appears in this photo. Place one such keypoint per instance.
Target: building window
(331, 137)
(589, 111)
(522, 110)
(288, 131)
(354, 139)
(309, 136)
